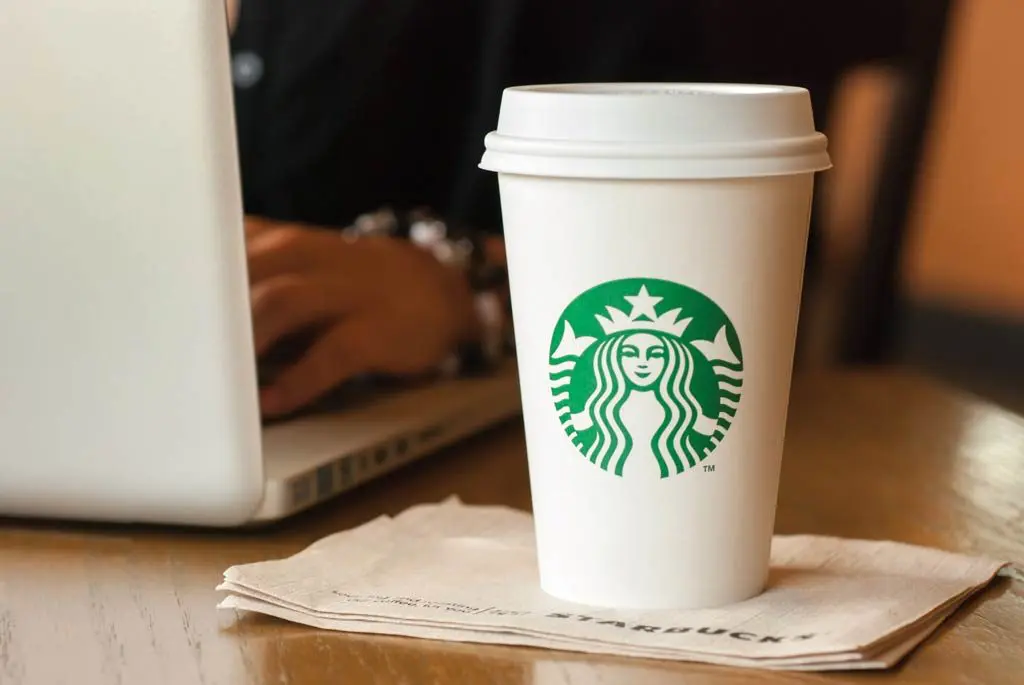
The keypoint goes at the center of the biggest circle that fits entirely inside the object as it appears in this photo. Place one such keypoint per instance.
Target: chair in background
(816, 45)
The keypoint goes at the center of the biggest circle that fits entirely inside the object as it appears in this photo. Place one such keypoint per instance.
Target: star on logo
(643, 304)
(643, 317)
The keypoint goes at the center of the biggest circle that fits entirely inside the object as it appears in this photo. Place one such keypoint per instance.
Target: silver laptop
(127, 375)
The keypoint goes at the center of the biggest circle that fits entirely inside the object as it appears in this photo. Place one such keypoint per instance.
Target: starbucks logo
(646, 376)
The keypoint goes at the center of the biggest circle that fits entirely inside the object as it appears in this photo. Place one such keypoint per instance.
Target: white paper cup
(656, 236)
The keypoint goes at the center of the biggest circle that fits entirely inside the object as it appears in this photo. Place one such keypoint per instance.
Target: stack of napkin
(468, 574)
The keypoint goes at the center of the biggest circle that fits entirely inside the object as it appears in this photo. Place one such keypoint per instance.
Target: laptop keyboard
(349, 394)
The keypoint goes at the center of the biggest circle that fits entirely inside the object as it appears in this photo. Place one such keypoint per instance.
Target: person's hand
(372, 305)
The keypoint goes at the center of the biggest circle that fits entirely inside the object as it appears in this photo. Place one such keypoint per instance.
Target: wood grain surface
(874, 456)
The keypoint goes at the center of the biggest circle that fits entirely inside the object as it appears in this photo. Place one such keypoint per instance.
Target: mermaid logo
(651, 393)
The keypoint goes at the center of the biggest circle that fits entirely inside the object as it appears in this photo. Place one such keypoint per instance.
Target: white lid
(655, 130)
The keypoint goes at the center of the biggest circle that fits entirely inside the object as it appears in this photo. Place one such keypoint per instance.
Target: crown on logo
(643, 317)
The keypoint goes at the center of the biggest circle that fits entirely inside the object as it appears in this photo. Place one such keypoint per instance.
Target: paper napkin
(468, 574)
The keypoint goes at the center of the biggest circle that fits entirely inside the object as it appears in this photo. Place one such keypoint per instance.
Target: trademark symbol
(709, 468)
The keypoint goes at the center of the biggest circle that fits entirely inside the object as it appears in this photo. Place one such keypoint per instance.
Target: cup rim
(738, 129)
(656, 89)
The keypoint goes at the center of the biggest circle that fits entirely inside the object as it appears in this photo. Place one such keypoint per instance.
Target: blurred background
(917, 241)
(919, 255)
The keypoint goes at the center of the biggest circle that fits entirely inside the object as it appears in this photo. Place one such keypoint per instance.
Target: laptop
(128, 386)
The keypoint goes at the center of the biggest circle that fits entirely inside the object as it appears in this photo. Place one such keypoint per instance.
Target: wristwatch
(465, 250)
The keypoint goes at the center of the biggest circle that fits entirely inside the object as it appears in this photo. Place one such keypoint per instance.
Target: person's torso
(344, 106)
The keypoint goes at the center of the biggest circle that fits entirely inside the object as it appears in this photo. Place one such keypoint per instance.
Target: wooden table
(879, 456)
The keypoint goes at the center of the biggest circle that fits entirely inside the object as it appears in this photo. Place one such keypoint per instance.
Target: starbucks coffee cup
(656, 236)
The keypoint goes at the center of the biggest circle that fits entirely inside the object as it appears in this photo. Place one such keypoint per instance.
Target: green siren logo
(646, 376)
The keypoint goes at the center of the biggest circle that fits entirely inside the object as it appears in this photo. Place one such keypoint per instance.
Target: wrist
(475, 277)
(478, 263)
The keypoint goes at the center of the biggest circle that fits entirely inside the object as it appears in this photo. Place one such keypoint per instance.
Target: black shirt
(345, 106)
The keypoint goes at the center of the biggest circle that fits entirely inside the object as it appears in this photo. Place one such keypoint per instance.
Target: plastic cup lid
(655, 131)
